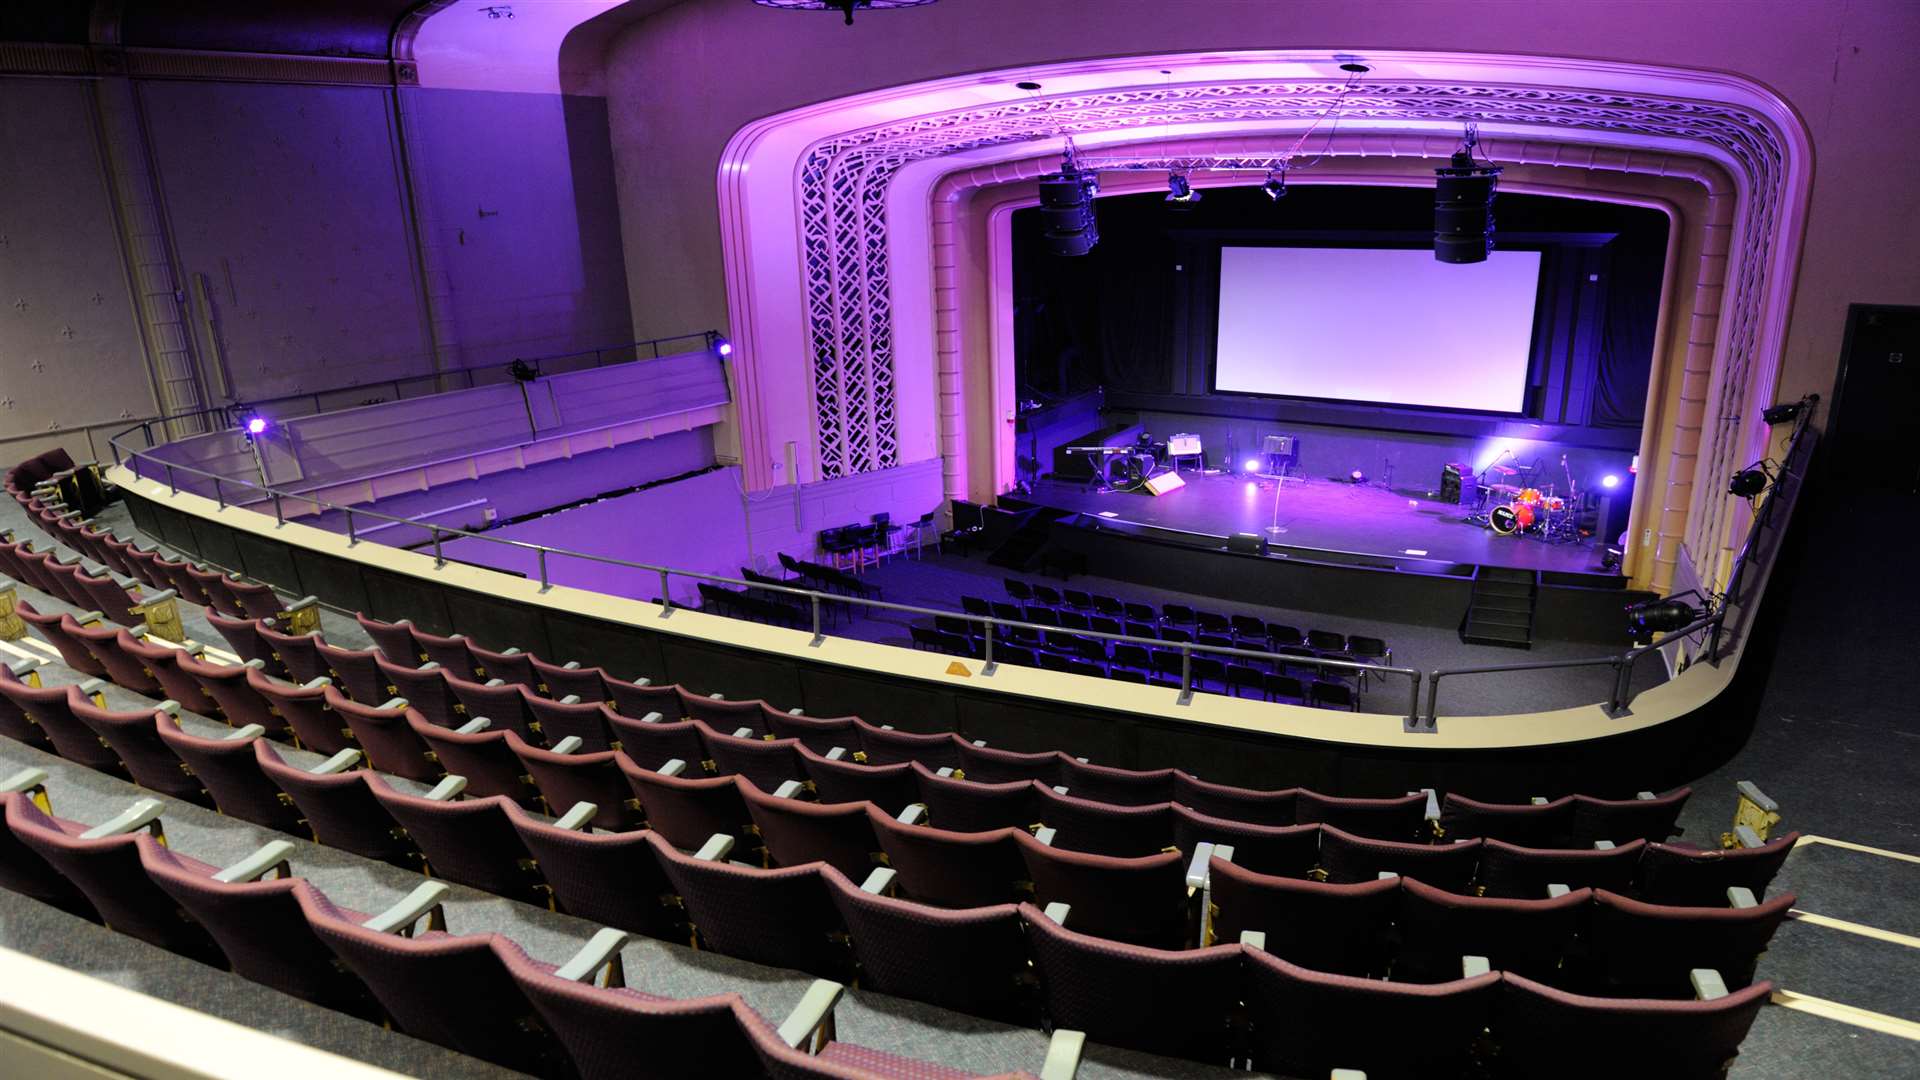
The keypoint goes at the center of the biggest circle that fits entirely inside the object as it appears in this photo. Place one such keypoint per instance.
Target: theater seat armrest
(716, 849)
(256, 664)
(243, 734)
(1347, 1074)
(271, 857)
(302, 604)
(641, 681)
(1739, 896)
(1197, 866)
(431, 665)
(193, 648)
(570, 699)
(1747, 837)
(886, 727)
(338, 763)
(1645, 796)
(137, 631)
(1556, 891)
(1254, 939)
(25, 780)
(601, 951)
(880, 880)
(654, 717)
(914, 814)
(1386, 875)
(979, 742)
(1433, 802)
(1063, 1055)
(743, 732)
(1059, 911)
(813, 1013)
(836, 753)
(447, 789)
(316, 683)
(88, 618)
(1471, 966)
(1755, 795)
(1707, 984)
(160, 597)
(1059, 789)
(1537, 800)
(512, 651)
(394, 703)
(474, 726)
(944, 770)
(170, 707)
(140, 815)
(93, 687)
(575, 820)
(1045, 835)
(717, 696)
(1603, 845)
(495, 682)
(789, 789)
(19, 668)
(422, 902)
(675, 767)
(796, 712)
(569, 744)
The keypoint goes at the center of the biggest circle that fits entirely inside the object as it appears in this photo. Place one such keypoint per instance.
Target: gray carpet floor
(1842, 772)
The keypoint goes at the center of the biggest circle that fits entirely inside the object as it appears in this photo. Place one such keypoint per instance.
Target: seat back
(305, 711)
(1139, 900)
(1318, 925)
(1531, 937)
(512, 667)
(300, 656)
(1284, 850)
(1524, 873)
(587, 720)
(986, 765)
(1621, 820)
(388, 736)
(1096, 986)
(969, 806)
(135, 739)
(634, 701)
(1346, 857)
(796, 833)
(483, 757)
(231, 774)
(340, 810)
(1102, 828)
(970, 961)
(651, 745)
(1671, 874)
(449, 652)
(1646, 950)
(213, 584)
(685, 813)
(162, 664)
(1382, 819)
(1547, 1032)
(609, 878)
(778, 917)
(506, 706)
(393, 640)
(257, 601)
(1252, 806)
(425, 690)
(816, 733)
(558, 681)
(951, 869)
(103, 641)
(1308, 1023)
(470, 841)
(23, 871)
(1539, 825)
(766, 765)
(722, 715)
(884, 746)
(57, 628)
(226, 685)
(892, 788)
(357, 671)
(244, 638)
(567, 779)
(52, 710)
(106, 594)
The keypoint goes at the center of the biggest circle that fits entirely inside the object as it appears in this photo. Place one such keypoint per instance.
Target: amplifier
(1458, 485)
(1185, 444)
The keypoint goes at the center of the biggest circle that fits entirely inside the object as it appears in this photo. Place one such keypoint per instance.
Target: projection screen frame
(1530, 404)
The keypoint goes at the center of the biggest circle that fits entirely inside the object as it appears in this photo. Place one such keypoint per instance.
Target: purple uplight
(256, 424)
(726, 348)
(1610, 481)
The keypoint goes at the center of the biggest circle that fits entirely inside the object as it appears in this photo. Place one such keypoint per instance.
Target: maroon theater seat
(1139, 900)
(227, 686)
(686, 813)
(589, 721)
(387, 735)
(135, 739)
(1283, 850)
(1400, 819)
(1347, 858)
(1525, 873)
(470, 841)
(1121, 787)
(1318, 925)
(608, 878)
(966, 806)
(304, 709)
(15, 723)
(1307, 1023)
(357, 671)
(1531, 937)
(340, 809)
(1100, 987)
(1647, 950)
(796, 833)
(126, 671)
(1539, 825)
(722, 715)
(1102, 828)
(818, 734)
(298, 654)
(558, 681)
(986, 765)
(951, 869)
(426, 690)
(394, 640)
(507, 705)
(1621, 820)
(231, 774)
(884, 746)
(653, 744)
(449, 652)
(765, 765)
(58, 629)
(636, 702)
(162, 664)
(53, 710)
(243, 637)
(22, 870)
(970, 960)
(512, 666)
(892, 788)
(483, 757)
(1547, 1032)
(1676, 874)
(566, 780)
(782, 918)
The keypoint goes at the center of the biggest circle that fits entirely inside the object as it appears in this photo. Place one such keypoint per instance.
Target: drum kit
(1521, 509)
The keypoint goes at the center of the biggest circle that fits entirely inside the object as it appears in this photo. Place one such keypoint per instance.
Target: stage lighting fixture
(1651, 617)
(721, 347)
(256, 425)
(1357, 476)
(1749, 482)
(1276, 186)
(1610, 559)
(1780, 414)
(1610, 481)
(523, 371)
(1180, 190)
(1463, 206)
(1251, 465)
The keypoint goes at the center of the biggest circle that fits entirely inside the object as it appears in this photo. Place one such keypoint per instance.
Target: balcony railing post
(1413, 707)
(438, 559)
(666, 596)
(1186, 674)
(219, 496)
(351, 538)
(1622, 680)
(279, 514)
(819, 635)
(172, 484)
(987, 666)
(544, 584)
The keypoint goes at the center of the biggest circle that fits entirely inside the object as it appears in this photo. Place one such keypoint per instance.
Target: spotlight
(1650, 617)
(1780, 414)
(1463, 206)
(256, 425)
(1357, 476)
(1276, 186)
(1610, 559)
(523, 371)
(1610, 481)
(1251, 465)
(1749, 482)
(722, 348)
(1180, 190)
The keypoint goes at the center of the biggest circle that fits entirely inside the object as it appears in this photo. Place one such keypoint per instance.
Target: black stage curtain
(1626, 337)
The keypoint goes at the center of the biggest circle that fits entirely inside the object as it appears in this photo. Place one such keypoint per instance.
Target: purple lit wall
(1308, 322)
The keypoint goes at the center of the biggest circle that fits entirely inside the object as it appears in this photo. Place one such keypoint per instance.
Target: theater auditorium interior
(937, 538)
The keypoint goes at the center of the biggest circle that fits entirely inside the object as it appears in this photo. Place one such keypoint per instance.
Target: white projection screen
(1393, 326)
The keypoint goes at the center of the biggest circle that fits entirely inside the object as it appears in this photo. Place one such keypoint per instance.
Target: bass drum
(1503, 520)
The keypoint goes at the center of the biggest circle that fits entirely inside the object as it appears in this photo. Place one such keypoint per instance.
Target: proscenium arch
(828, 211)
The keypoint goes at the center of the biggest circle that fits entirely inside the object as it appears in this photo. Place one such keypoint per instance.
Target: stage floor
(1330, 515)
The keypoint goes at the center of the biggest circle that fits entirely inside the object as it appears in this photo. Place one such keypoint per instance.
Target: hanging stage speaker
(1247, 543)
(1161, 483)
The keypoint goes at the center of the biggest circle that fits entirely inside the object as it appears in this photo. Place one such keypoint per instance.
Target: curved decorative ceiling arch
(823, 175)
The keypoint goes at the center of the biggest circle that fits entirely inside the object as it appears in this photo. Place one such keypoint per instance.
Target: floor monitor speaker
(1164, 482)
(1247, 543)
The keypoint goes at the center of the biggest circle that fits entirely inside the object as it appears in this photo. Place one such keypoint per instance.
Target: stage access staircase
(1502, 607)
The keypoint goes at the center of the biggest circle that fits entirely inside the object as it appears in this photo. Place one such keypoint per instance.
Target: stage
(1324, 514)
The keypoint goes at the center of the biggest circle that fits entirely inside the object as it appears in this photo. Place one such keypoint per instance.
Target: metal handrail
(813, 597)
